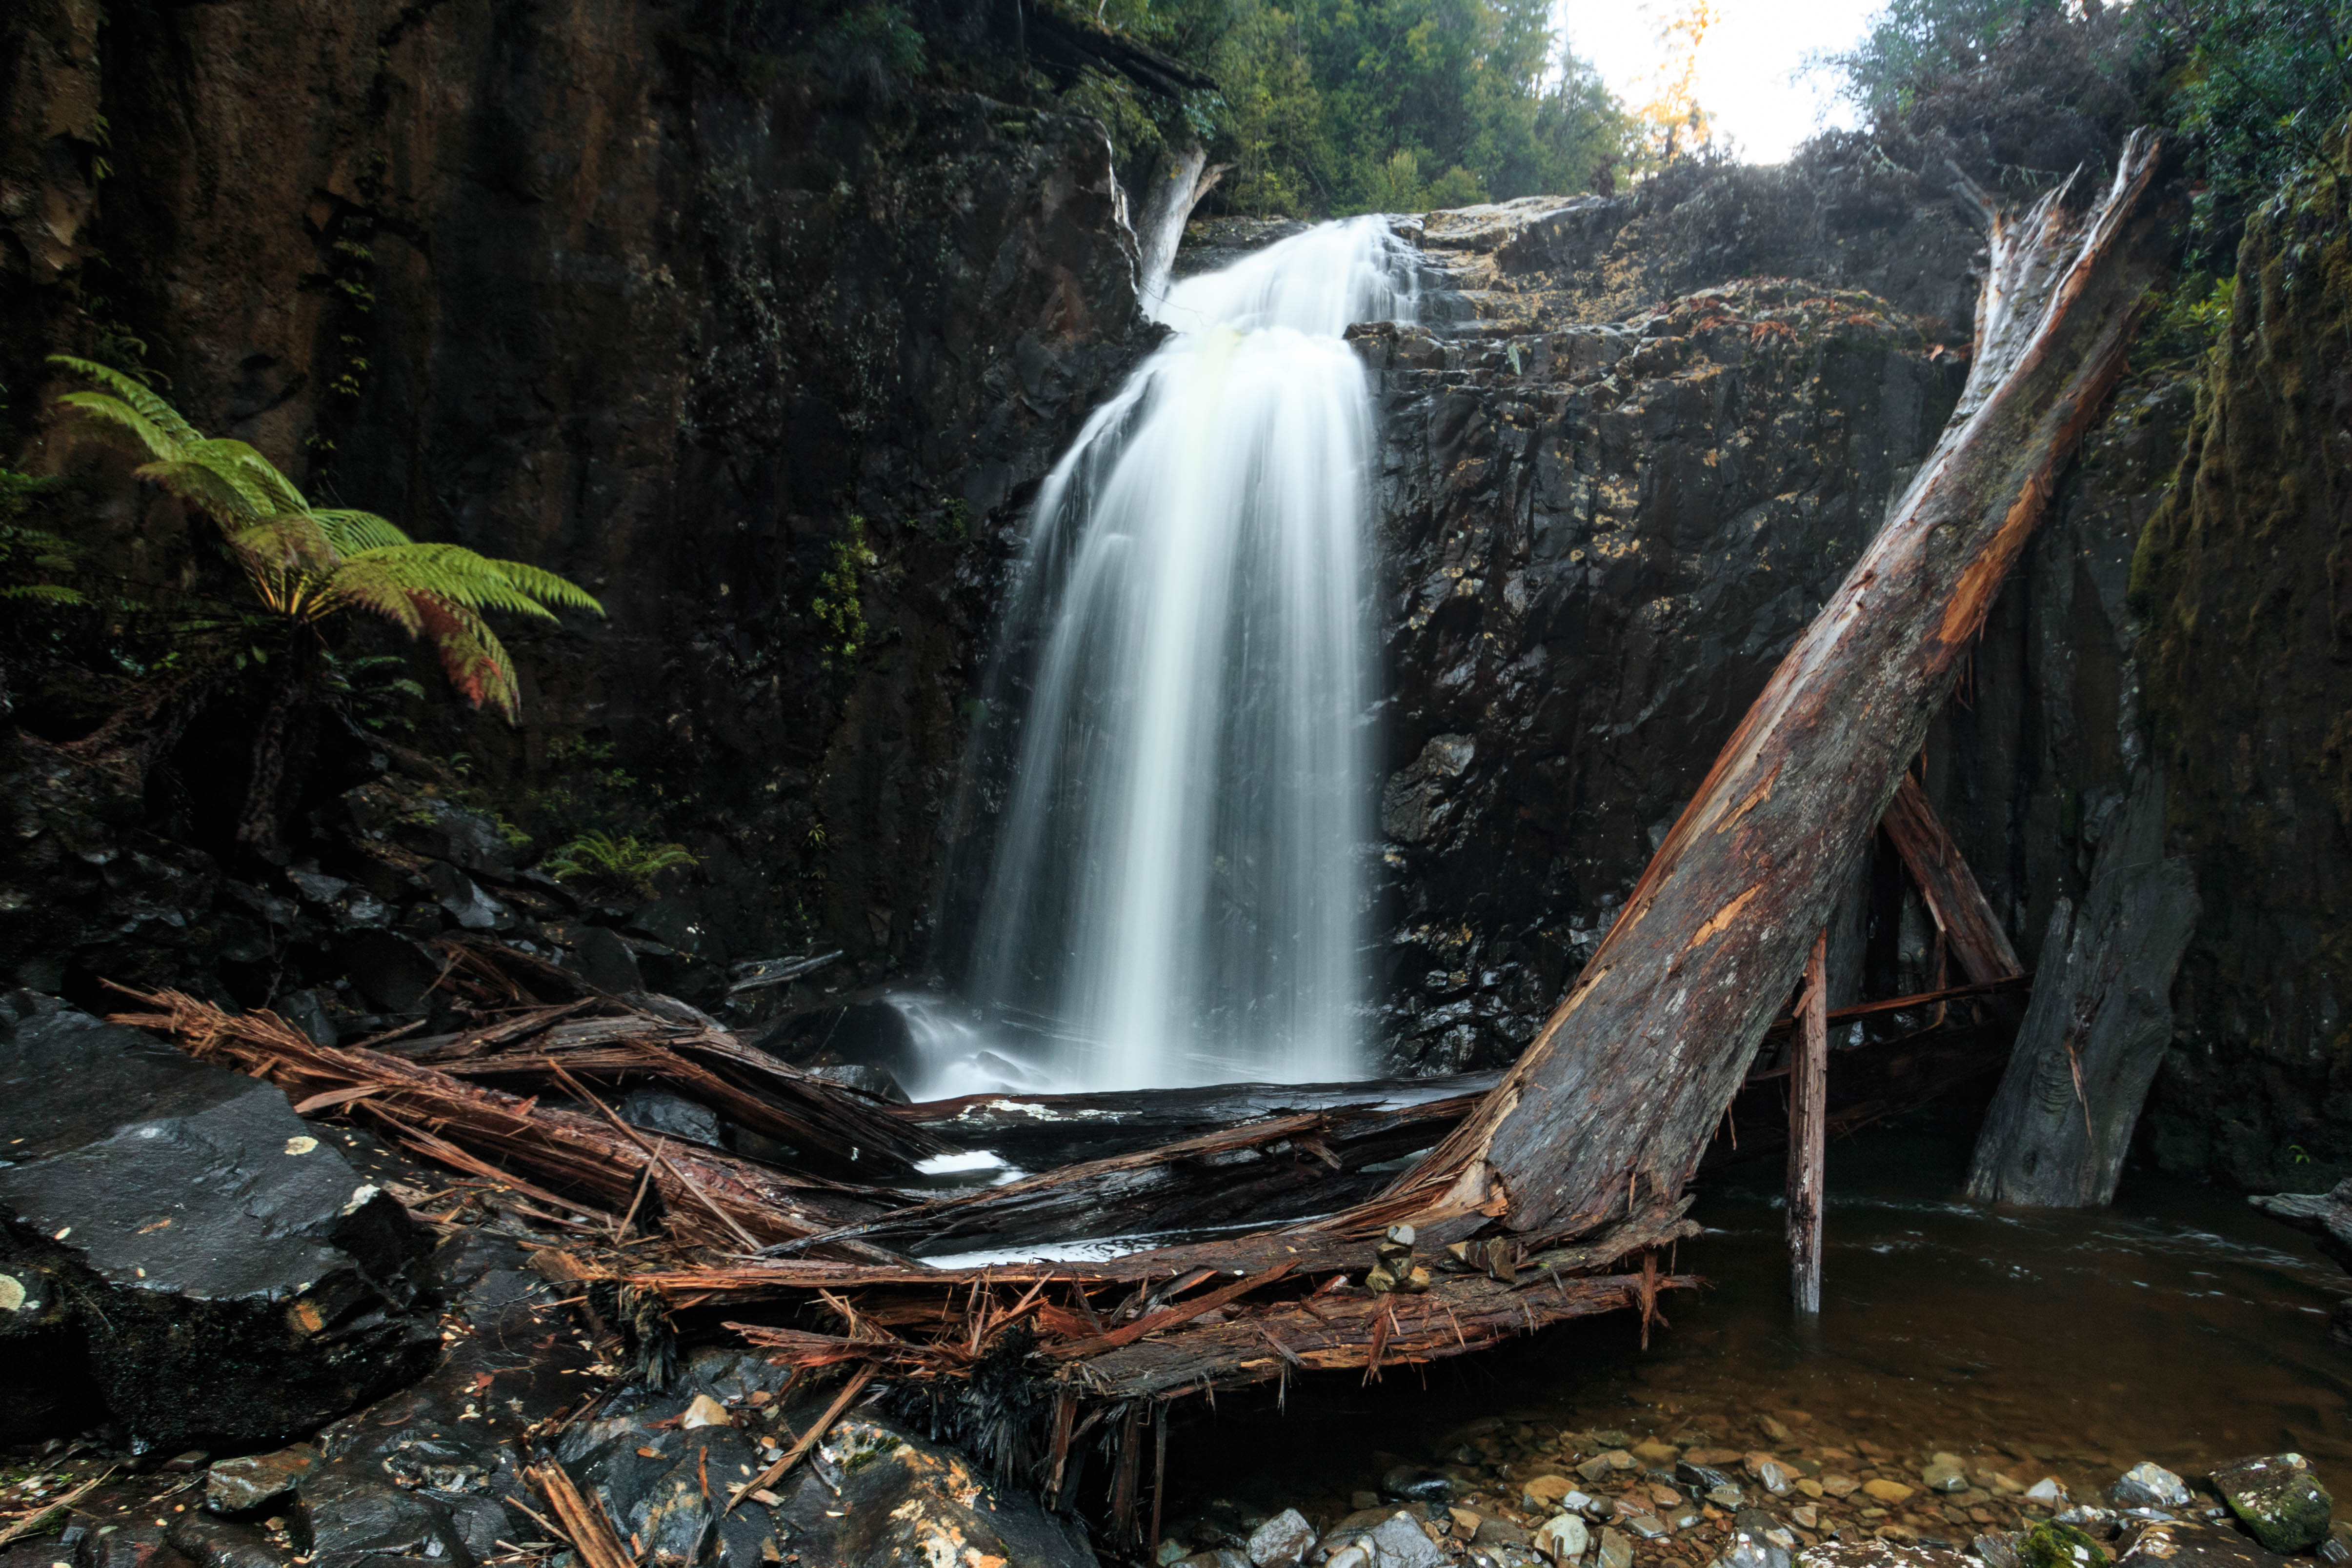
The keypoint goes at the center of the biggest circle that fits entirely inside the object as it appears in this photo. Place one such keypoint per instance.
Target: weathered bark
(1163, 207)
(1623, 1084)
(2097, 1027)
(1038, 1131)
(1273, 1169)
(1972, 933)
(1808, 1092)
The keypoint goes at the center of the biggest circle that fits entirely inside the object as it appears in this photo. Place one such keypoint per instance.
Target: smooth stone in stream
(1649, 1527)
(1757, 1540)
(2049, 1491)
(1706, 1478)
(1400, 1543)
(1616, 1551)
(1281, 1541)
(1563, 1538)
(2281, 1502)
(2148, 1485)
(1945, 1473)
(1416, 1485)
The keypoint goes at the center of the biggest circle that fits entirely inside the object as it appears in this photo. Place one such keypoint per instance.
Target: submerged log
(2097, 1027)
(1625, 1084)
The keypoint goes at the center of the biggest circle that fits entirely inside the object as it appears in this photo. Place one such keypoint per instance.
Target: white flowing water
(1179, 760)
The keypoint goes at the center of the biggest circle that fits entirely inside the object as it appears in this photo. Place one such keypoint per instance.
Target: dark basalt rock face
(180, 1249)
(1603, 530)
(622, 292)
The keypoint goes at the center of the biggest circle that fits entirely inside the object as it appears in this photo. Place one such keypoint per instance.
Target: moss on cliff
(2240, 574)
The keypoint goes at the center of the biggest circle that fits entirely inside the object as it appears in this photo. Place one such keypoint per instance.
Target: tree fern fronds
(458, 574)
(136, 395)
(356, 531)
(543, 584)
(202, 486)
(123, 419)
(376, 584)
(470, 655)
(43, 592)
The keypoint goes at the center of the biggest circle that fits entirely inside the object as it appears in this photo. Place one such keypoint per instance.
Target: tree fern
(308, 562)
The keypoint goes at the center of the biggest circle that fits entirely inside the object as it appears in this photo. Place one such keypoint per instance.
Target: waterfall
(1176, 734)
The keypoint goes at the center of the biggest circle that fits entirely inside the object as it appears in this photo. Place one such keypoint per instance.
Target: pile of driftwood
(1552, 1192)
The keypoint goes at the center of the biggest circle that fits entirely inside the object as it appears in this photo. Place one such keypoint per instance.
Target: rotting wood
(1036, 1131)
(1809, 1085)
(577, 1150)
(1627, 1079)
(589, 1534)
(1273, 1169)
(1972, 932)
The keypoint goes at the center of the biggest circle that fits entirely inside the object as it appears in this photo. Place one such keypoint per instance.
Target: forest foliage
(1329, 107)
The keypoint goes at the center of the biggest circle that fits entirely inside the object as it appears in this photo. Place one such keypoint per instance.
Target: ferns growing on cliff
(307, 563)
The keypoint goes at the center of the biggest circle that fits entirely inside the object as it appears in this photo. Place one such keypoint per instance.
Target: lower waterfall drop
(1176, 738)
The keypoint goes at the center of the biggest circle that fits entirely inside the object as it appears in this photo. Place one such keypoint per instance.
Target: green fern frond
(45, 593)
(135, 393)
(373, 584)
(120, 419)
(353, 532)
(546, 586)
(291, 542)
(453, 572)
(204, 486)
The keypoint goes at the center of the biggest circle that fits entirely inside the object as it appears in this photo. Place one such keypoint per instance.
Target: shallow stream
(2180, 1326)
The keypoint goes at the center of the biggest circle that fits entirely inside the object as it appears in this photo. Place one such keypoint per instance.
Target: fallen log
(1972, 932)
(1625, 1084)
(1275, 1169)
(830, 1127)
(1036, 1131)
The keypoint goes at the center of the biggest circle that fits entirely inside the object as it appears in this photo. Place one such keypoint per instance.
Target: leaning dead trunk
(2097, 1027)
(1621, 1089)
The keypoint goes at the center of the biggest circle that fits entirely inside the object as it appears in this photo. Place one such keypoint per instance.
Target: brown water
(2180, 1326)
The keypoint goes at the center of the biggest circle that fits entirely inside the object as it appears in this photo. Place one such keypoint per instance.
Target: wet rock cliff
(696, 309)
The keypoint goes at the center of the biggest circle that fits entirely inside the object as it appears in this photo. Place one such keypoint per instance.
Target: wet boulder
(2148, 1485)
(2191, 1543)
(2280, 1502)
(180, 1250)
(1880, 1554)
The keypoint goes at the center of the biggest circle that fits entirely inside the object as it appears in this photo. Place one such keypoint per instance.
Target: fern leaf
(546, 586)
(353, 532)
(202, 486)
(135, 393)
(367, 584)
(43, 592)
(471, 655)
(123, 419)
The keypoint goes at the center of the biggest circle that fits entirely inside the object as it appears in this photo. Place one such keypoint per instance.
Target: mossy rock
(2055, 1545)
(2279, 1501)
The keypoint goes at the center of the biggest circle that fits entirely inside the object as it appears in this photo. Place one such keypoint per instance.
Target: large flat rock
(181, 1252)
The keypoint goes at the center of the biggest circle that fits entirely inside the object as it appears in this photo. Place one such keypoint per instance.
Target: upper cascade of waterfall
(1173, 783)
(1321, 283)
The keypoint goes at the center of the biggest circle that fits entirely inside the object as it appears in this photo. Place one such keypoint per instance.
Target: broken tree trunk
(1808, 1108)
(1040, 1131)
(1972, 932)
(1625, 1082)
(2097, 1026)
